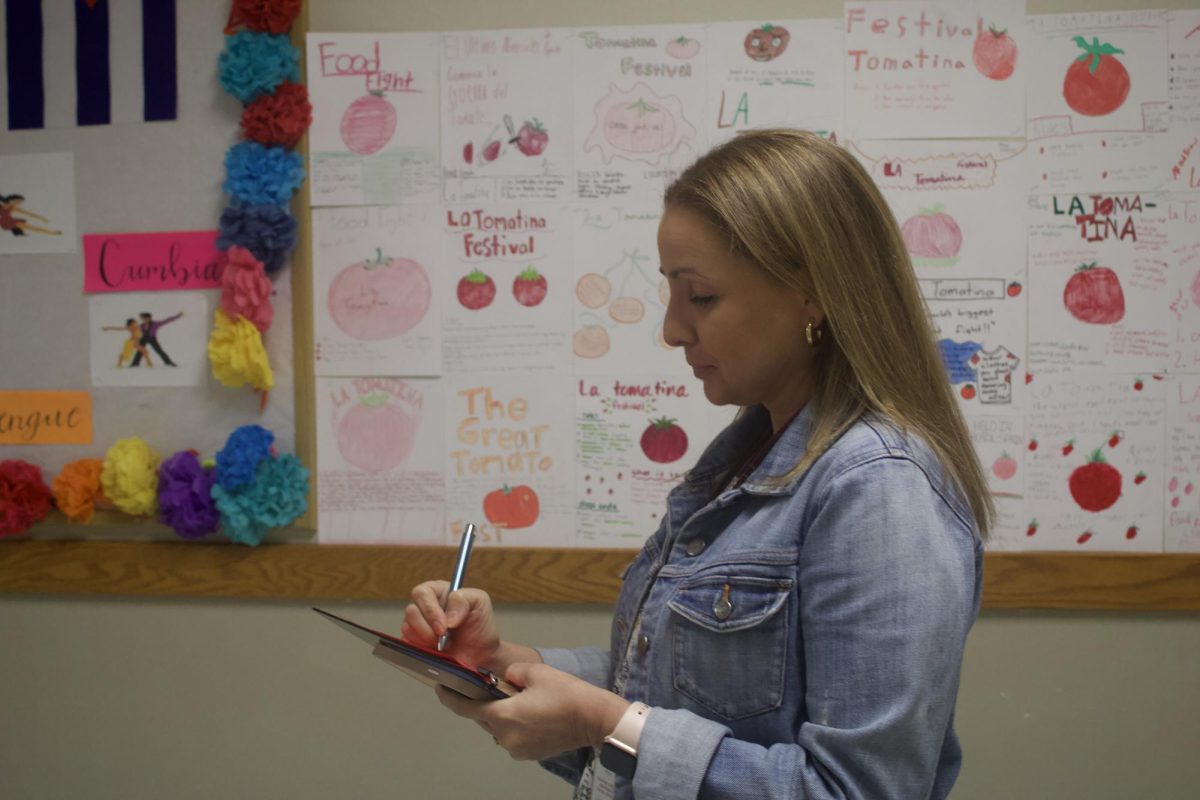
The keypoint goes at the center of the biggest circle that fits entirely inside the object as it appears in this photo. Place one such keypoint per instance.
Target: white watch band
(628, 732)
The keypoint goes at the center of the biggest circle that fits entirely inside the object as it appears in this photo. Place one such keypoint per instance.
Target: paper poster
(375, 310)
(999, 441)
(1183, 81)
(620, 296)
(932, 70)
(380, 460)
(1098, 110)
(506, 282)
(640, 101)
(1012, 525)
(1183, 213)
(635, 437)
(781, 74)
(1095, 463)
(505, 115)
(509, 458)
(45, 417)
(969, 259)
(1098, 283)
(151, 262)
(1183, 464)
(37, 204)
(374, 136)
(149, 339)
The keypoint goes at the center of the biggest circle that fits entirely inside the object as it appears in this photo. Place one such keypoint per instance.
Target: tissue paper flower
(24, 496)
(130, 477)
(253, 64)
(238, 460)
(279, 118)
(77, 488)
(185, 496)
(256, 174)
(266, 230)
(277, 496)
(272, 16)
(245, 288)
(235, 351)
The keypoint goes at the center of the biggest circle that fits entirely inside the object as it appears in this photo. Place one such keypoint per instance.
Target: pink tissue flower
(245, 288)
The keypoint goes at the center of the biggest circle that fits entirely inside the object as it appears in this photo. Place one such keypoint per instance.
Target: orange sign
(45, 418)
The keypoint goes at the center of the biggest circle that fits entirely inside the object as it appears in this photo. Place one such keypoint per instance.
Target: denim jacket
(799, 639)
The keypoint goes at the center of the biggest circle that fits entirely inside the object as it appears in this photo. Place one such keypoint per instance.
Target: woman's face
(741, 331)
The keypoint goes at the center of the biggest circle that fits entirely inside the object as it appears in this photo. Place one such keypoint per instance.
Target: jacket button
(696, 546)
(643, 645)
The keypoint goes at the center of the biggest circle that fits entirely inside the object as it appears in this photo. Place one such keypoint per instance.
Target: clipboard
(428, 666)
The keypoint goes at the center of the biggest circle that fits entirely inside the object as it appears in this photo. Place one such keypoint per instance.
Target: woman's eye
(702, 299)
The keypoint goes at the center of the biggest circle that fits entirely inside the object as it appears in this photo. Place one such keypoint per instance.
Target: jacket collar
(754, 424)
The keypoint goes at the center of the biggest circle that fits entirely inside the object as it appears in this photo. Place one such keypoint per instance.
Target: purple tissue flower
(185, 496)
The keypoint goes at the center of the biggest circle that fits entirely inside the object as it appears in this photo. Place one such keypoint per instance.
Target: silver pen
(460, 572)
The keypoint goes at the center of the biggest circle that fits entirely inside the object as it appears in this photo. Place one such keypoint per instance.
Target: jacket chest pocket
(729, 638)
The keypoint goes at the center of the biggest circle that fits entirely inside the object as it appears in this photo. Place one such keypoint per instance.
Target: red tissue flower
(245, 288)
(24, 496)
(265, 16)
(279, 118)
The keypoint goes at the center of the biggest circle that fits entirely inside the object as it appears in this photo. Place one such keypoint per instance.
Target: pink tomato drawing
(379, 298)
(376, 433)
(368, 124)
(932, 234)
(1004, 467)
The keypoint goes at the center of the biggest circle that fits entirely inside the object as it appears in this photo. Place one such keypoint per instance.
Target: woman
(796, 625)
(10, 205)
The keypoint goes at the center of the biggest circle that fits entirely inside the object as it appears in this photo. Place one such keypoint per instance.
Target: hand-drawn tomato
(995, 54)
(1093, 295)
(683, 48)
(368, 124)
(590, 341)
(639, 127)
(1096, 83)
(1033, 527)
(476, 290)
(529, 287)
(532, 138)
(593, 289)
(663, 441)
(379, 298)
(1013, 289)
(627, 310)
(766, 43)
(376, 434)
(1096, 485)
(1004, 467)
(931, 233)
(512, 508)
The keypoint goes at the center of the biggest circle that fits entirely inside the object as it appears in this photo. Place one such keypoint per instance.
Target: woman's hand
(468, 614)
(556, 712)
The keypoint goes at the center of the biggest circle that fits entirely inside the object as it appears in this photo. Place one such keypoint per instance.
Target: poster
(1182, 495)
(149, 338)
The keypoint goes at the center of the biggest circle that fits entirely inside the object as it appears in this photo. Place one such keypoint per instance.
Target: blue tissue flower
(253, 64)
(255, 175)
(238, 460)
(276, 497)
(266, 230)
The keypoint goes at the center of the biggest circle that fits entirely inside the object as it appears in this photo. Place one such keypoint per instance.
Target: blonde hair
(806, 211)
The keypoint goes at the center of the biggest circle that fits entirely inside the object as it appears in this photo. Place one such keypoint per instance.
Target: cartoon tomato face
(1096, 83)
(995, 54)
(766, 43)
(932, 234)
(1093, 295)
(1096, 485)
(368, 124)
(663, 441)
(380, 298)
(512, 508)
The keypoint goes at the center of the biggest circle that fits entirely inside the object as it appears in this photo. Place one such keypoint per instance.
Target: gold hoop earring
(813, 334)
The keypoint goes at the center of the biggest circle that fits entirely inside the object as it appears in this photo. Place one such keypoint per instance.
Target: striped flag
(88, 62)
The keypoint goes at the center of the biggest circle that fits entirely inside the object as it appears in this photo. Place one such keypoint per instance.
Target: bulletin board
(284, 568)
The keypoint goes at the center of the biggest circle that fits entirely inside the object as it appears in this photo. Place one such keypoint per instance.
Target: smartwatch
(620, 750)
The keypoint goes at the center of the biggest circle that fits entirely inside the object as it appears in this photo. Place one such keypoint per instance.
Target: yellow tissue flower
(130, 477)
(235, 350)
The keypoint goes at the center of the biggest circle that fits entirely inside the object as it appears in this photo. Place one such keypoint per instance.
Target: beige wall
(112, 698)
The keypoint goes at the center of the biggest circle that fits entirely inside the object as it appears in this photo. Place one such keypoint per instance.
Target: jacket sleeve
(887, 581)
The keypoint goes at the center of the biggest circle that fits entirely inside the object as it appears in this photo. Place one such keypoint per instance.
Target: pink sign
(150, 262)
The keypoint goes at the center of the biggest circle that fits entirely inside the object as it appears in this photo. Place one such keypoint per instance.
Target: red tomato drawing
(1093, 295)
(1096, 83)
(932, 234)
(476, 290)
(380, 298)
(1096, 485)
(529, 287)
(512, 508)
(767, 42)
(1032, 529)
(995, 54)
(1004, 467)
(532, 138)
(663, 441)
(1013, 289)
(1140, 478)
(376, 434)
(639, 127)
(368, 124)
(683, 48)
(1132, 532)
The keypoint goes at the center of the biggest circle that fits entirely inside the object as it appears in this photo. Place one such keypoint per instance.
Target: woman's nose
(677, 332)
